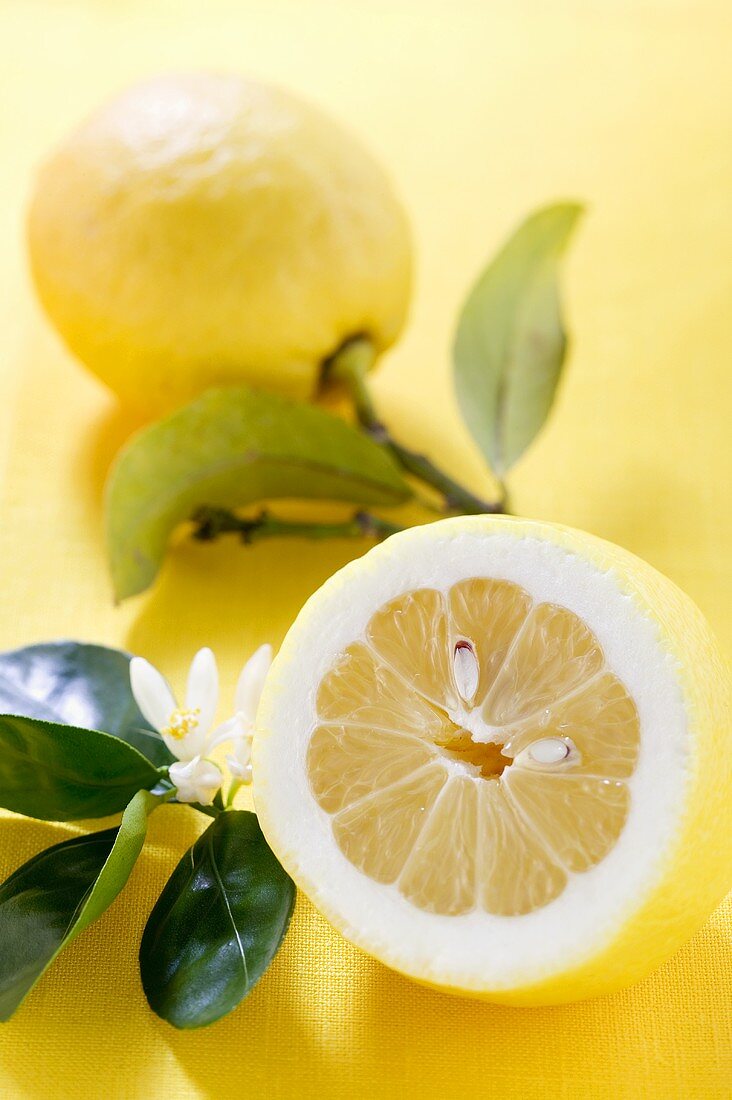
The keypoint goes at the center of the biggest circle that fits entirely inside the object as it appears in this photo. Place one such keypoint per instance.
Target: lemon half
(495, 754)
(205, 229)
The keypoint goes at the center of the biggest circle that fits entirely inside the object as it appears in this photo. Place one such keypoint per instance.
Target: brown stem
(350, 365)
(213, 522)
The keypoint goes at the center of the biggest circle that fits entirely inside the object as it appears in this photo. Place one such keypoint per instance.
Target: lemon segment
(412, 636)
(495, 753)
(554, 653)
(506, 840)
(488, 614)
(346, 763)
(600, 719)
(441, 871)
(363, 691)
(379, 833)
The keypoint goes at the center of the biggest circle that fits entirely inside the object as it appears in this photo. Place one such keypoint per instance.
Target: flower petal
(152, 692)
(230, 730)
(189, 746)
(182, 771)
(196, 781)
(242, 772)
(239, 762)
(251, 682)
(202, 692)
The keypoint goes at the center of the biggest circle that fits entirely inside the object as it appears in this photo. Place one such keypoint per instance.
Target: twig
(213, 522)
(350, 365)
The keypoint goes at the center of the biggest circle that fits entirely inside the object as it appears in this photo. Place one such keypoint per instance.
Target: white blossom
(187, 731)
(184, 729)
(239, 729)
(196, 780)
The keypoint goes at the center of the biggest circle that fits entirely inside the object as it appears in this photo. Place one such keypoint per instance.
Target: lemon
(495, 753)
(202, 230)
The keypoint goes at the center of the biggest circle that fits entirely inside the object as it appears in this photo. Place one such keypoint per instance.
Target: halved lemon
(495, 754)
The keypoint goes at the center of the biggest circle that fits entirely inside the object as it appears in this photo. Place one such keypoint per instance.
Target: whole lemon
(206, 229)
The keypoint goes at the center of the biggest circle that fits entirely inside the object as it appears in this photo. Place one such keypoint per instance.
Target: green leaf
(217, 924)
(510, 341)
(79, 685)
(62, 773)
(53, 897)
(230, 448)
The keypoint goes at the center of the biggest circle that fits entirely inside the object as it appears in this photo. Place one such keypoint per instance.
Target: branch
(213, 522)
(350, 365)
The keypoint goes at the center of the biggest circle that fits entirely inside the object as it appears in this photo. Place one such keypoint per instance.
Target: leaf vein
(225, 896)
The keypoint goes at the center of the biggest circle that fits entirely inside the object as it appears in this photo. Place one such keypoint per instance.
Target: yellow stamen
(181, 723)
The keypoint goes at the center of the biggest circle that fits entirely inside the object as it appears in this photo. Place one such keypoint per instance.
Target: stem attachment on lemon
(350, 365)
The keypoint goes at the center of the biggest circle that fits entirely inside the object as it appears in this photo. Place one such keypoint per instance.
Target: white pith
(476, 951)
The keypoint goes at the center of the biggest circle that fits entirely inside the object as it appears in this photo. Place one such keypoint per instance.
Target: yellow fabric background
(482, 110)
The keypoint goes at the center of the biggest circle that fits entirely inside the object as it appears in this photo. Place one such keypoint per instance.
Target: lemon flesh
(202, 230)
(419, 802)
(496, 755)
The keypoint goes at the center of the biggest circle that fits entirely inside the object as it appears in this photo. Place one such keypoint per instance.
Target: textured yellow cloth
(482, 110)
